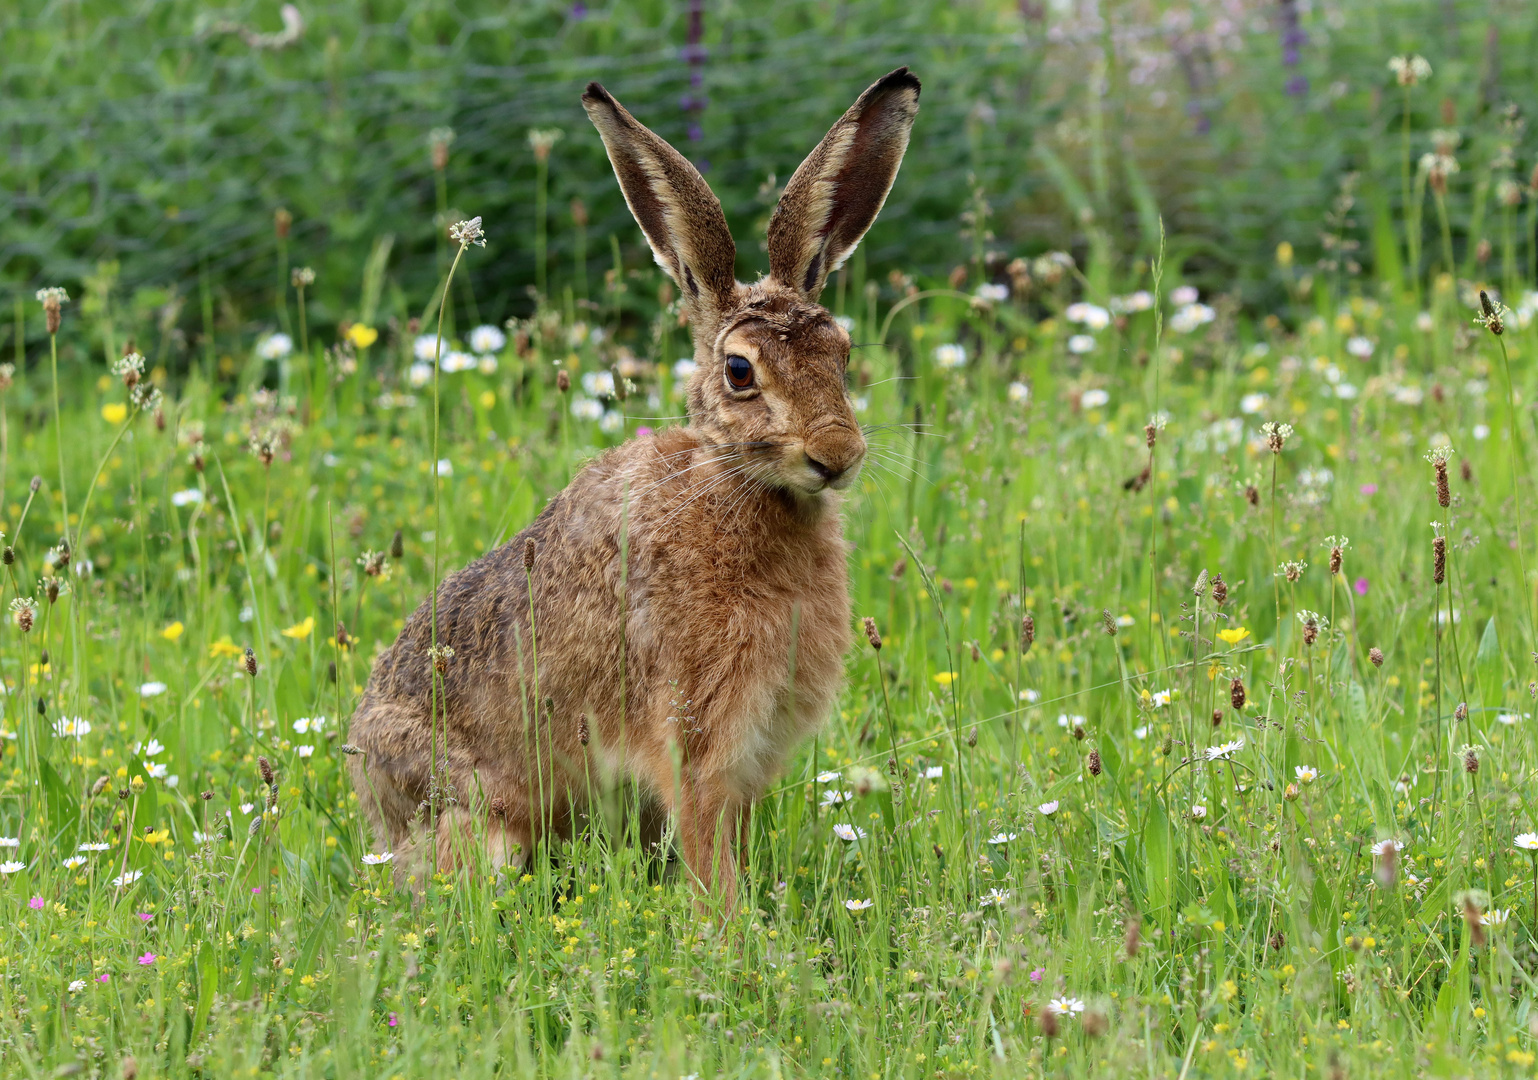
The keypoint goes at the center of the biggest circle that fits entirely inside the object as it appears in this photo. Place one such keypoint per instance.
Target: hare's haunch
(688, 590)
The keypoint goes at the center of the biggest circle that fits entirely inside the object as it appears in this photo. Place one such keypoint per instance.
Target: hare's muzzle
(833, 456)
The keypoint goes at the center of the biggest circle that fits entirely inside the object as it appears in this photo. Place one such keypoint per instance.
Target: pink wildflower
(36, 903)
(1361, 586)
(1039, 974)
(394, 1020)
(147, 959)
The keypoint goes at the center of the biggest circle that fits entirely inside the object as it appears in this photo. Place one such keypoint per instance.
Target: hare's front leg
(712, 827)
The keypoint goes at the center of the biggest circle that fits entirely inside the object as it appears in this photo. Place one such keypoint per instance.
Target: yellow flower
(300, 631)
(945, 678)
(114, 412)
(223, 647)
(488, 399)
(362, 336)
(1284, 253)
(174, 631)
(153, 838)
(1234, 635)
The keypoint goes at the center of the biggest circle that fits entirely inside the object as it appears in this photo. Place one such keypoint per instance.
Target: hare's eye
(739, 372)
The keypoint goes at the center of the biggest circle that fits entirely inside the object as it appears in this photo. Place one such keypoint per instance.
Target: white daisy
(1047, 809)
(378, 860)
(994, 896)
(275, 346)
(1066, 1006)
(1387, 847)
(127, 879)
(950, 355)
(74, 862)
(859, 905)
(1198, 811)
(833, 798)
(827, 776)
(933, 772)
(1003, 837)
(1225, 751)
(487, 339)
(849, 832)
(99, 845)
(1306, 774)
(152, 689)
(306, 751)
(1094, 399)
(1527, 841)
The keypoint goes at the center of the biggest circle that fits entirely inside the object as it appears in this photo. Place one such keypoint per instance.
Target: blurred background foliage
(149, 144)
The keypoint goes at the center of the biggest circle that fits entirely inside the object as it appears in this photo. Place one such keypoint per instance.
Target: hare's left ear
(839, 189)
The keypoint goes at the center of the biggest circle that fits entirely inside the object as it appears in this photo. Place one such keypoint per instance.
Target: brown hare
(689, 589)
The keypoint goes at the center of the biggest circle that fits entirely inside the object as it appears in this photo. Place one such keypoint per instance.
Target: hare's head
(770, 362)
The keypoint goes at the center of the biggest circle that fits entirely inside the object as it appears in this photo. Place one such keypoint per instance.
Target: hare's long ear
(675, 208)
(839, 189)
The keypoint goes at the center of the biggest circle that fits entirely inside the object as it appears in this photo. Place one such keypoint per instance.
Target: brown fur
(675, 663)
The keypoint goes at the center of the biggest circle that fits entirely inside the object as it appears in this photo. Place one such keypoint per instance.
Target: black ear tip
(595, 92)
(902, 78)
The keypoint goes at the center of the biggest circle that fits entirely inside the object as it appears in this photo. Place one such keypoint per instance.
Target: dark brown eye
(739, 372)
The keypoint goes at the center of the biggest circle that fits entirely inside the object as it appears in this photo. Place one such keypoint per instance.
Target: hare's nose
(829, 473)
(834, 453)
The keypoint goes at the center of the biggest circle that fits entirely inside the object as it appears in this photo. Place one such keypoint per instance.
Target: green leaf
(1159, 863)
(208, 986)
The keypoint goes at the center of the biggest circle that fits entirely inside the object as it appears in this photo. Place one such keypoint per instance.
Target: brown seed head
(529, 549)
(1027, 632)
(1471, 761)
(977, 652)
(1375, 654)
(1095, 767)
(1151, 434)
(1049, 1026)
(582, 732)
(1108, 622)
(206, 796)
(1236, 693)
(100, 785)
(265, 767)
(342, 640)
(1217, 717)
(972, 737)
(562, 380)
(1461, 711)
(1095, 1024)
(1252, 494)
(1492, 314)
(1439, 559)
(8, 556)
(130, 1067)
(1337, 557)
(250, 661)
(1078, 733)
(1310, 629)
(397, 545)
(282, 222)
(1444, 493)
(899, 568)
(871, 634)
(35, 483)
(1278, 941)
(1134, 938)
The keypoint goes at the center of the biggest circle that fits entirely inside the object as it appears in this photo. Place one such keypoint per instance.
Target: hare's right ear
(675, 208)
(839, 189)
